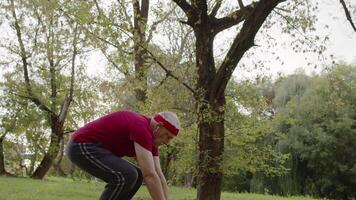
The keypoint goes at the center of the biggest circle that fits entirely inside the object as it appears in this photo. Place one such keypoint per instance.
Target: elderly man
(98, 148)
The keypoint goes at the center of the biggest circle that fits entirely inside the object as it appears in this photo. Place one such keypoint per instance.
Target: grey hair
(172, 118)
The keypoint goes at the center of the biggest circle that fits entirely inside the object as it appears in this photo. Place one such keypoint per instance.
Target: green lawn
(54, 188)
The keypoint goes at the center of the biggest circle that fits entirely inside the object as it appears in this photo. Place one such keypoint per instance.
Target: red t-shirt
(117, 132)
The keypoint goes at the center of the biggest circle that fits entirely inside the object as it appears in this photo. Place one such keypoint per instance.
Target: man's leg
(123, 179)
(138, 182)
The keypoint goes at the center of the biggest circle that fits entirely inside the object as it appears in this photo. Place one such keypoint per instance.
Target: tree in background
(47, 46)
(316, 115)
(281, 92)
(323, 134)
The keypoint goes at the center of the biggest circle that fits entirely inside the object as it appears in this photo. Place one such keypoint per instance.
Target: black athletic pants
(123, 178)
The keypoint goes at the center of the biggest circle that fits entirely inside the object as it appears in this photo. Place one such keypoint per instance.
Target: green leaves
(323, 132)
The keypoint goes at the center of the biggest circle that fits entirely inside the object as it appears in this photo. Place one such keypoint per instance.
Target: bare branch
(348, 15)
(154, 25)
(184, 40)
(127, 16)
(241, 4)
(67, 101)
(169, 72)
(184, 5)
(232, 19)
(145, 5)
(216, 8)
(98, 7)
(242, 43)
(151, 55)
(126, 73)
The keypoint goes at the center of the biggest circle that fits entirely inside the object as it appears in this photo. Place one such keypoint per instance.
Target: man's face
(162, 135)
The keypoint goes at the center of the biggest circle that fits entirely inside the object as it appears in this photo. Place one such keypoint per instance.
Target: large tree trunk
(212, 82)
(210, 109)
(211, 148)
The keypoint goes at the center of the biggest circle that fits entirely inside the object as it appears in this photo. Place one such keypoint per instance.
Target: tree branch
(151, 55)
(67, 101)
(348, 15)
(98, 7)
(241, 4)
(154, 25)
(232, 19)
(184, 5)
(216, 8)
(242, 43)
(128, 18)
(126, 72)
(52, 67)
(190, 11)
(145, 5)
(25, 64)
(169, 72)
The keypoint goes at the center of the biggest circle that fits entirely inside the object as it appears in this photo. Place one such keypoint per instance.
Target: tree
(122, 37)
(285, 90)
(323, 133)
(7, 125)
(212, 80)
(44, 58)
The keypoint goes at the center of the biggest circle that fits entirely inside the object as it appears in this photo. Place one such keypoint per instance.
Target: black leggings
(123, 178)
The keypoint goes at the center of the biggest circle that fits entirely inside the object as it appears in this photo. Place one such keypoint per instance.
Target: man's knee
(129, 178)
(134, 176)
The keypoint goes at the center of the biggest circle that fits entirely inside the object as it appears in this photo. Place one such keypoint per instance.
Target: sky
(342, 45)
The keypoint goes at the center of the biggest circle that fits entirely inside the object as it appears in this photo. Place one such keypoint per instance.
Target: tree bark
(211, 148)
(140, 23)
(2, 157)
(210, 115)
(50, 155)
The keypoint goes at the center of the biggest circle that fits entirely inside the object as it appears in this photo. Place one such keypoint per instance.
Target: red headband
(166, 124)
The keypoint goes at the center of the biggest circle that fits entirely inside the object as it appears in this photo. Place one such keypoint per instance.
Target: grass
(55, 188)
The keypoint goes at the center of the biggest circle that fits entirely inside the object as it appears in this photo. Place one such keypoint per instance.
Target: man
(99, 146)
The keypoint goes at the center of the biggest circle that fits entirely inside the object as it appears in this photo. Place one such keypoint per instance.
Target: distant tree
(46, 50)
(285, 90)
(323, 134)
(316, 116)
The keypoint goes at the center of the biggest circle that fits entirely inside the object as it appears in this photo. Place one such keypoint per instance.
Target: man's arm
(147, 165)
(161, 176)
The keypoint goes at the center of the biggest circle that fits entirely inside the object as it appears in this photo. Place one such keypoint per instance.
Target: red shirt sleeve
(142, 135)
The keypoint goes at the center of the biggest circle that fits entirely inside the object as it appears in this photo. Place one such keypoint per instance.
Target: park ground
(54, 188)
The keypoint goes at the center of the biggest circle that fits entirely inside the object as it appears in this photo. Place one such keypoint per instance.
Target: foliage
(324, 132)
(317, 116)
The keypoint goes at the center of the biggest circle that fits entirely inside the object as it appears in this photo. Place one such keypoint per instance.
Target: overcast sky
(342, 45)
